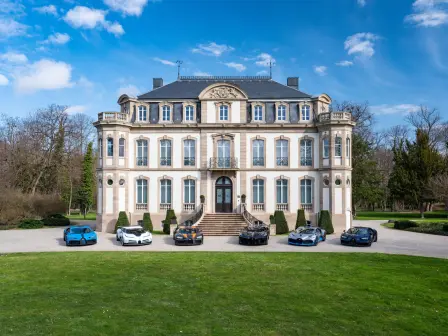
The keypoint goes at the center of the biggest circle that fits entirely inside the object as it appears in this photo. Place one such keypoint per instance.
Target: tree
(86, 190)
(301, 220)
(439, 185)
(280, 222)
(169, 219)
(121, 221)
(325, 221)
(147, 223)
(428, 121)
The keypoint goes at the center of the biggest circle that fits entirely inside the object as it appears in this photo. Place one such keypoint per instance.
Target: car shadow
(60, 241)
(114, 241)
(169, 240)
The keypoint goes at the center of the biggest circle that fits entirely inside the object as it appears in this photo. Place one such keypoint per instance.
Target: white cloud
(50, 9)
(45, 74)
(114, 28)
(431, 18)
(13, 57)
(76, 109)
(361, 3)
(127, 7)
(85, 83)
(428, 3)
(57, 38)
(130, 90)
(10, 28)
(361, 44)
(166, 62)
(212, 49)
(237, 66)
(3, 80)
(12, 8)
(263, 60)
(401, 109)
(344, 63)
(321, 70)
(201, 73)
(262, 73)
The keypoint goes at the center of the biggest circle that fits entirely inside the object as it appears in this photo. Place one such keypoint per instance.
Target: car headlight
(179, 237)
(199, 237)
(313, 237)
(364, 238)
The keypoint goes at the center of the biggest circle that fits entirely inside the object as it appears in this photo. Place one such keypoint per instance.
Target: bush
(272, 219)
(170, 217)
(301, 220)
(280, 222)
(403, 225)
(56, 220)
(445, 228)
(147, 223)
(31, 224)
(122, 220)
(325, 221)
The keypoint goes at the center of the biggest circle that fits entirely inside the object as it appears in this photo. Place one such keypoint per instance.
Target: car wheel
(376, 239)
(64, 237)
(266, 242)
(316, 242)
(67, 243)
(122, 242)
(176, 243)
(82, 242)
(353, 242)
(240, 241)
(117, 238)
(324, 238)
(369, 244)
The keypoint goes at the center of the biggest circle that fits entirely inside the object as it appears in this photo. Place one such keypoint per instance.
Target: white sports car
(133, 235)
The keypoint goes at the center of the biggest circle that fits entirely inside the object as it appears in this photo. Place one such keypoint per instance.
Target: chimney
(293, 82)
(157, 82)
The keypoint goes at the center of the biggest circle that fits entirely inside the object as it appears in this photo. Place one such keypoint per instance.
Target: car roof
(132, 227)
(80, 226)
(360, 227)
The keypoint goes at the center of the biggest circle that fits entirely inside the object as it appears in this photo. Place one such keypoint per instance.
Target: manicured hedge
(147, 223)
(280, 222)
(56, 220)
(416, 215)
(272, 219)
(301, 220)
(31, 224)
(403, 225)
(122, 220)
(170, 215)
(325, 221)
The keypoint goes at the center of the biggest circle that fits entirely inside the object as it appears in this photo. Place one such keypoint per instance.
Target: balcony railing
(165, 161)
(112, 116)
(307, 207)
(189, 161)
(258, 161)
(258, 207)
(141, 206)
(282, 161)
(282, 206)
(142, 161)
(223, 163)
(306, 161)
(335, 116)
(165, 206)
(189, 206)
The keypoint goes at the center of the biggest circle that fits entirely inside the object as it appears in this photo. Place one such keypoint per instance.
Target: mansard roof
(256, 87)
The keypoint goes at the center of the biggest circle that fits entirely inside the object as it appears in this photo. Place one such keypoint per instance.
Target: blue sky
(393, 54)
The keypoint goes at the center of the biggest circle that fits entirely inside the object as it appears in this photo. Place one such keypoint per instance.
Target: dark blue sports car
(359, 235)
(80, 235)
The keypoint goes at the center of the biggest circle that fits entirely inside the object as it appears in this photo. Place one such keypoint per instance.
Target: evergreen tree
(325, 221)
(86, 189)
(280, 222)
(301, 220)
(122, 219)
(147, 223)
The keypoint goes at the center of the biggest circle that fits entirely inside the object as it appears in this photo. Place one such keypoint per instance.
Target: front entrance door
(223, 195)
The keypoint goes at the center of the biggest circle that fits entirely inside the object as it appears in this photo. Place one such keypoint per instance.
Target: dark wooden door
(223, 199)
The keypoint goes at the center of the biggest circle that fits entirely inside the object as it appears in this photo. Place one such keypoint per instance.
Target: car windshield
(135, 231)
(358, 231)
(308, 231)
(186, 231)
(79, 230)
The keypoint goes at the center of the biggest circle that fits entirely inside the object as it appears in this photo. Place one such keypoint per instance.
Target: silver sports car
(308, 236)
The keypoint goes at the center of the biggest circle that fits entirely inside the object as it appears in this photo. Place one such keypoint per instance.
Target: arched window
(166, 113)
(100, 147)
(189, 113)
(258, 153)
(306, 152)
(258, 191)
(189, 152)
(306, 194)
(189, 192)
(347, 148)
(110, 147)
(338, 146)
(282, 152)
(326, 148)
(258, 113)
(142, 152)
(121, 143)
(281, 113)
(142, 194)
(306, 112)
(223, 113)
(282, 194)
(142, 116)
(224, 154)
(165, 152)
(165, 194)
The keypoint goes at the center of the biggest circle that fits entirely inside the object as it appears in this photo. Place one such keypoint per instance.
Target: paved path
(389, 241)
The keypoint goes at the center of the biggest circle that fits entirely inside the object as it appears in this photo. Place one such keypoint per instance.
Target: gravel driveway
(389, 241)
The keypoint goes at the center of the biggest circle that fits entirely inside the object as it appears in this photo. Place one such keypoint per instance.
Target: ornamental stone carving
(222, 91)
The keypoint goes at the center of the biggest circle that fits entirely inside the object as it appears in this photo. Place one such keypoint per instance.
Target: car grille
(300, 241)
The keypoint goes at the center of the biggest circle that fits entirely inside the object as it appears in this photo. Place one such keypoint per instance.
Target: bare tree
(429, 121)
(439, 186)
(361, 114)
(83, 131)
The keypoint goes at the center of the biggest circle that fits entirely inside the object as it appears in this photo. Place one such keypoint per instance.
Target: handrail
(195, 218)
(251, 220)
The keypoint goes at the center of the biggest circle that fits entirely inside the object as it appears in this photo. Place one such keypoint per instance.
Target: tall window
(258, 113)
(347, 148)
(258, 153)
(189, 113)
(223, 153)
(338, 147)
(306, 112)
(306, 192)
(165, 192)
(142, 152)
(258, 191)
(142, 191)
(281, 113)
(189, 152)
(282, 152)
(110, 147)
(142, 116)
(326, 148)
(100, 146)
(166, 113)
(189, 191)
(165, 153)
(306, 152)
(121, 143)
(282, 191)
(223, 113)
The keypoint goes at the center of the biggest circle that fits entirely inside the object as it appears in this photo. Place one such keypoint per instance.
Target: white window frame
(325, 148)
(141, 193)
(306, 112)
(258, 188)
(306, 152)
(282, 183)
(142, 113)
(189, 113)
(142, 152)
(258, 152)
(223, 113)
(110, 147)
(121, 147)
(281, 112)
(189, 191)
(166, 185)
(338, 146)
(166, 113)
(190, 151)
(279, 151)
(307, 190)
(166, 152)
(258, 113)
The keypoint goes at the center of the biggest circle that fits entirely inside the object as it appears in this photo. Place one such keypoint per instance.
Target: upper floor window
(100, 147)
(165, 153)
(189, 113)
(189, 191)
(110, 147)
(347, 148)
(223, 113)
(142, 152)
(306, 192)
(282, 152)
(326, 148)
(306, 112)
(258, 113)
(189, 152)
(142, 116)
(258, 153)
(142, 191)
(121, 143)
(306, 152)
(338, 147)
(281, 113)
(166, 113)
(223, 153)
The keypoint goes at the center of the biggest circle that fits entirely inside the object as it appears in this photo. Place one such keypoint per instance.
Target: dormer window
(223, 113)
(281, 113)
(306, 112)
(166, 113)
(189, 113)
(258, 113)
(142, 115)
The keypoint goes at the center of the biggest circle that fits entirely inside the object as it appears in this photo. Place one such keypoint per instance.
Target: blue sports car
(359, 235)
(307, 236)
(80, 235)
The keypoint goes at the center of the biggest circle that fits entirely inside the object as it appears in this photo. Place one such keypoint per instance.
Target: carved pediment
(222, 91)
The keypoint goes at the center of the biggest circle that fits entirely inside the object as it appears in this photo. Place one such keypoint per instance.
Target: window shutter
(248, 113)
(270, 113)
(294, 112)
(198, 112)
(154, 113)
(177, 118)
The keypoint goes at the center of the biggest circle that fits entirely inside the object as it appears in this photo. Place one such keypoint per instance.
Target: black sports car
(359, 235)
(254, 235)
(188, 235)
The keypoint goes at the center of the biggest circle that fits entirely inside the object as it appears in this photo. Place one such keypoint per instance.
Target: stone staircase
(222, 224)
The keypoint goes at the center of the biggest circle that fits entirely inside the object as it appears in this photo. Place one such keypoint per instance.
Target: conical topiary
(122, 220)
(325, 221)
(147, 223)
(301, 220)
(169, 219)
(281, 223)
(272, 219)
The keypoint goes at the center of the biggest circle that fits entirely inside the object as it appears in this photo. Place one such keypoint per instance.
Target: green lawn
(435, 216)
(77, 215)
(138, 293)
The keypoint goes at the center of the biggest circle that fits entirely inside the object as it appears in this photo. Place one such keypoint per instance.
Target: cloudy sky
(393, 54)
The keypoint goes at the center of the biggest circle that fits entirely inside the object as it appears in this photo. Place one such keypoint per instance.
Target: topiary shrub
(301, 220)
(325, 221)
(31, 224)
(272, 219)
(169, 219)
(56, 220)
(147, 223)
(280, 222)
(445, 228)
(403, 225)
(122, 220)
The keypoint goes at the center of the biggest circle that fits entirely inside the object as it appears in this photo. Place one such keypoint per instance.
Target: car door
(65, 233)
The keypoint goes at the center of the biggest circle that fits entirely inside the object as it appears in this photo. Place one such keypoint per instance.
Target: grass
(77, 215)
(138, 293)
(434, 216)
(435, 228)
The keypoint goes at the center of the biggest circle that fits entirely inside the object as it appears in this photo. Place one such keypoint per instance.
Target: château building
(224, 137)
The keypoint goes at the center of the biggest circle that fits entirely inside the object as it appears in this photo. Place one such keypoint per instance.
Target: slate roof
(257, 87)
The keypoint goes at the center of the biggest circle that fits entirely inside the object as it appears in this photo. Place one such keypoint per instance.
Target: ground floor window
(142, 194)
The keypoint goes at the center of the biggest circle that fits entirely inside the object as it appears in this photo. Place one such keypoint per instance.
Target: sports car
(133, 235)
(188, 235)
(80, 235)
(254, 235)
(359, 235)
(309, 236)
